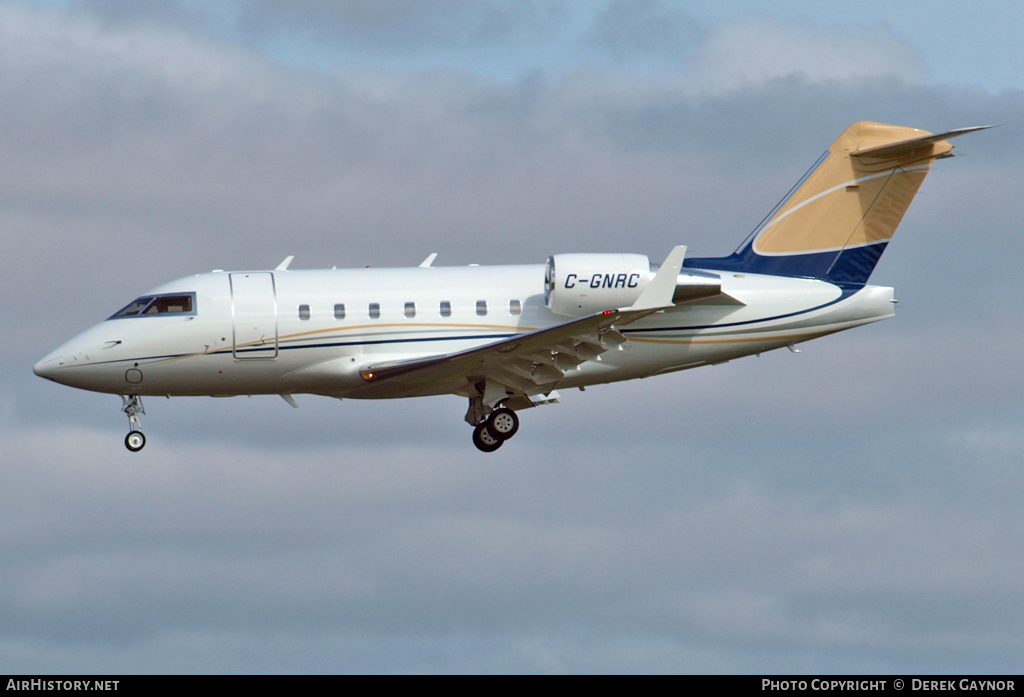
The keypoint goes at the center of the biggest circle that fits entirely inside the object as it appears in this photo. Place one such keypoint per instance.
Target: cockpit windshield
(177, 304)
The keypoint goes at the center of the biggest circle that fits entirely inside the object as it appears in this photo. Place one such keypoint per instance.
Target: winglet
(428, 261)
(658, 293)
(284, 264)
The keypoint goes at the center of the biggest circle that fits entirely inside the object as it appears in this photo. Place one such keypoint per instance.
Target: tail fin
(836, 222)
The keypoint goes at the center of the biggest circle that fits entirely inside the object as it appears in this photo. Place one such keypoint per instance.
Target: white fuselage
(286, 332)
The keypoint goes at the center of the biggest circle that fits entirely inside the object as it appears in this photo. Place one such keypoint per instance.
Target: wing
(527, 364)
(530, 363)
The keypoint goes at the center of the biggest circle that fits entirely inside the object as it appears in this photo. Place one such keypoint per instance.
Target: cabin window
(446, 308)
(303, 312)
(339, 311)
(515, 307)
(180, 304)
(410, 309)
(481, 307)
(374, 310)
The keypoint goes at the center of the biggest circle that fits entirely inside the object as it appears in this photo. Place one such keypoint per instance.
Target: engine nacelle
(581, 284)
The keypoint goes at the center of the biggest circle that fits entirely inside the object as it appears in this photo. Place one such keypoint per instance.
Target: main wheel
(135, 441)
(503, 423)
(484, 440)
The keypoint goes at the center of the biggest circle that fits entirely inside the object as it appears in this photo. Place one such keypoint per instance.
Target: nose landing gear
(136, 439)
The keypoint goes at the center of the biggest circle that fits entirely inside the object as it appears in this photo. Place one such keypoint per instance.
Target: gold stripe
(503, 327)
(292, 337)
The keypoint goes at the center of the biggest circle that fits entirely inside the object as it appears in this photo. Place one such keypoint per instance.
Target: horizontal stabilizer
(884, 152)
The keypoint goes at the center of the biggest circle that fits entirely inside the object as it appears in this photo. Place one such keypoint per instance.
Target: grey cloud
(399, 24)
(626, 28)
(364, 25)
(748, 52)
(381, 548)
(496, 37)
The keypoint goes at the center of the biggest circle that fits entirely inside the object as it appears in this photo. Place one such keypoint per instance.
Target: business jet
(507, 338)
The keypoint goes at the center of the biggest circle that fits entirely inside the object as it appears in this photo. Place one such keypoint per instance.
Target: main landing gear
(136, 439)
(493, 423)
(500, 425)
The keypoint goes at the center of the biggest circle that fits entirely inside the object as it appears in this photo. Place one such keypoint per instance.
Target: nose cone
(49, 366)
(73, 363)
(89, 361)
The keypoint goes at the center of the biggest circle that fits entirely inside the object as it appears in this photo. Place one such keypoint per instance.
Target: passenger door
(254, 315)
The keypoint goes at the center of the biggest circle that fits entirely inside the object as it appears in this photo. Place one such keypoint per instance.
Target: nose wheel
(136, 439)
(500, 425)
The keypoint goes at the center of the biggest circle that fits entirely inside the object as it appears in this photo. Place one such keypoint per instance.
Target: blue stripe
(846, 267)
(847, 291)
(377, 342)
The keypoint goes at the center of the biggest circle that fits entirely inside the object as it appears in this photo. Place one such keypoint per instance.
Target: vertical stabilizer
(836, 222)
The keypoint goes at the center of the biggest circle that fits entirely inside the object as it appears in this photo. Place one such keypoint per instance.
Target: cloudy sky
(852, 508)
